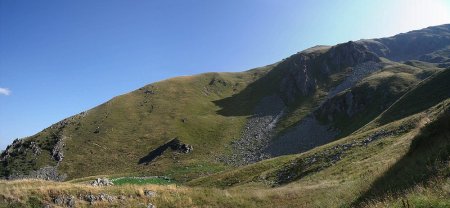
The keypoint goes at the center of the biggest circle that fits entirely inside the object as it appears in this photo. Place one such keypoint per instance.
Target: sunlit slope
(113, 137)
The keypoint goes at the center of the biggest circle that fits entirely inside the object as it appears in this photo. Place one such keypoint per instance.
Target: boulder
(90, 198)
(149, 193)
(102, 182)
(62, 200)
(176, 144)
(97, 130)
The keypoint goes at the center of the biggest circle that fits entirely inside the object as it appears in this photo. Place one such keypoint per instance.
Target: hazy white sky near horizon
(416, 14)
(58, 58)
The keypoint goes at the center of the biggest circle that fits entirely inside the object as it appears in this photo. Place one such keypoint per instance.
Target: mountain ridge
(242, 117)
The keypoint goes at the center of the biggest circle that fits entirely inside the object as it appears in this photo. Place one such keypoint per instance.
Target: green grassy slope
(426, 94)
(349, 182)
(111, 138)
(209, 111)
(394, 140)
(206, 111)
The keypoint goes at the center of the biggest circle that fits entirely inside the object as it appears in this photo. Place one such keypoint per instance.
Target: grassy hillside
(112, 137)
(346, 173)
(206, 111)
(428, 93)
(358, 178)
(380, 165)
(352, 128)
(376, 167)
(405, 126)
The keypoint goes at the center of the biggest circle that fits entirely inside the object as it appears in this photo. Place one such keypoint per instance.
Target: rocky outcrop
(309, 132)
(102, 182)
(66, 200)
(20, 146)
(149, 89)
(26, 147)
(71, 201)
(92, 198)
(58, 149)
(299, 80)
(31, 149)
(63, 200)
(302, 70)
(347, 55)
(356, 74)
(348, 104)
(177, 145)
(45, 173)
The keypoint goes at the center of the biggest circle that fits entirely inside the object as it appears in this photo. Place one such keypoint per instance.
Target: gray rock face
(45, 173)
(349, 104)
(300, 74)
(57, 151)
(35, 149)
(257, 133)
(348, 54)
(303, 69)
(352, 101)
(299, 80)
(358, 72)
(309, 133)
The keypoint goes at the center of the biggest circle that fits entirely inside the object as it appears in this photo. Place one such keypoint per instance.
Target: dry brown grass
(19, 193)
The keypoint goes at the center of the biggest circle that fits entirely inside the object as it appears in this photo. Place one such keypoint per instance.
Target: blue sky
(60, 57)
